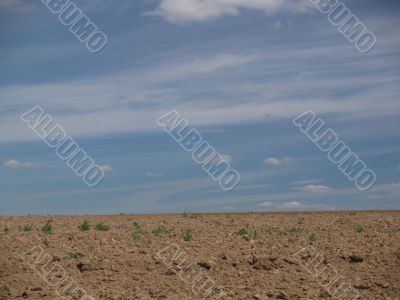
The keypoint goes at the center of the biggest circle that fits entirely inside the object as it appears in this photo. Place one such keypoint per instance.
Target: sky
(239, 71)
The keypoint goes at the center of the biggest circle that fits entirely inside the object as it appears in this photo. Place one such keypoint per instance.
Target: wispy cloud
(224, 157)
(306, 181)
(15, 164)
(272, 161)
(106, 168)
(294, 205)
(311, 188)
(15, 5)
(186, 11)
(130, 101)
(291, 205)
(154, 174)
(266, 204)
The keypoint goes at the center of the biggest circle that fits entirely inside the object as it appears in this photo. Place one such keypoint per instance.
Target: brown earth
(245, 256)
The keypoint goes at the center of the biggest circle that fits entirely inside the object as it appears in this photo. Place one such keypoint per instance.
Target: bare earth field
(210, 256)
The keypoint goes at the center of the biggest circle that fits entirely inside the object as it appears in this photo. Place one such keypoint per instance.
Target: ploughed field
(332, 255)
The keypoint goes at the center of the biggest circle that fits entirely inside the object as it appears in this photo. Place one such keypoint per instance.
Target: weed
(102, 227)
(265, 229)
(146, 242)
(247, 233)
(85, 226)
(138, 229)
(312, 238)
(352, 213)
(185, 214)
(47, 228)
(242, 231)
(360, 229)
(76, 255)
(187, 235)
(231, 220)
(27, 227)
(6, 229)
(136, 226)
(136, 237)
(160, 230)
(296, 229)
(280, 231)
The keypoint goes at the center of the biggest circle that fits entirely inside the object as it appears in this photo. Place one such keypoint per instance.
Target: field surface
(209, 256)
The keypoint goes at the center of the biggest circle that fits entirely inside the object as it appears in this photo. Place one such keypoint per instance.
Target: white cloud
(229, 208)
(306, 181)
(294, 205)
(15, 164)
(106, 168)
(15, 5)
(272, 161)
(311, 188)
(225, 157)
(290, 205)
(154, 174)
(266, 204)
(186, 11)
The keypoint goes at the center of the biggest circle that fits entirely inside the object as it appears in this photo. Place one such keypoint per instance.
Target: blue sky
(238, 71)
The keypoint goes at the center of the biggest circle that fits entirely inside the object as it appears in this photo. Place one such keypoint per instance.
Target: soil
(243, 256)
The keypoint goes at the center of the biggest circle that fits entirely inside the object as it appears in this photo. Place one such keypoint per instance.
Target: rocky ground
(210, 256)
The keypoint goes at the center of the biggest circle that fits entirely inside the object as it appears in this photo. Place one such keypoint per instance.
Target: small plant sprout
(295, 229)
(47, 228)
(247, 233)
(76, 255)
(27, 227)
(136, 226)
(85, 226)
(312, 238)
(360, 229)
(102, 227)
(242, 231)
(160, 230)
(136, 237)
(187, 236)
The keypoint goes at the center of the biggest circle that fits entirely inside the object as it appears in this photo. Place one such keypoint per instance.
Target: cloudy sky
(238, 70)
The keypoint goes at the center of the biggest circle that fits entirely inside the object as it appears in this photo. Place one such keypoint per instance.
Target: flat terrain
(241, 256)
